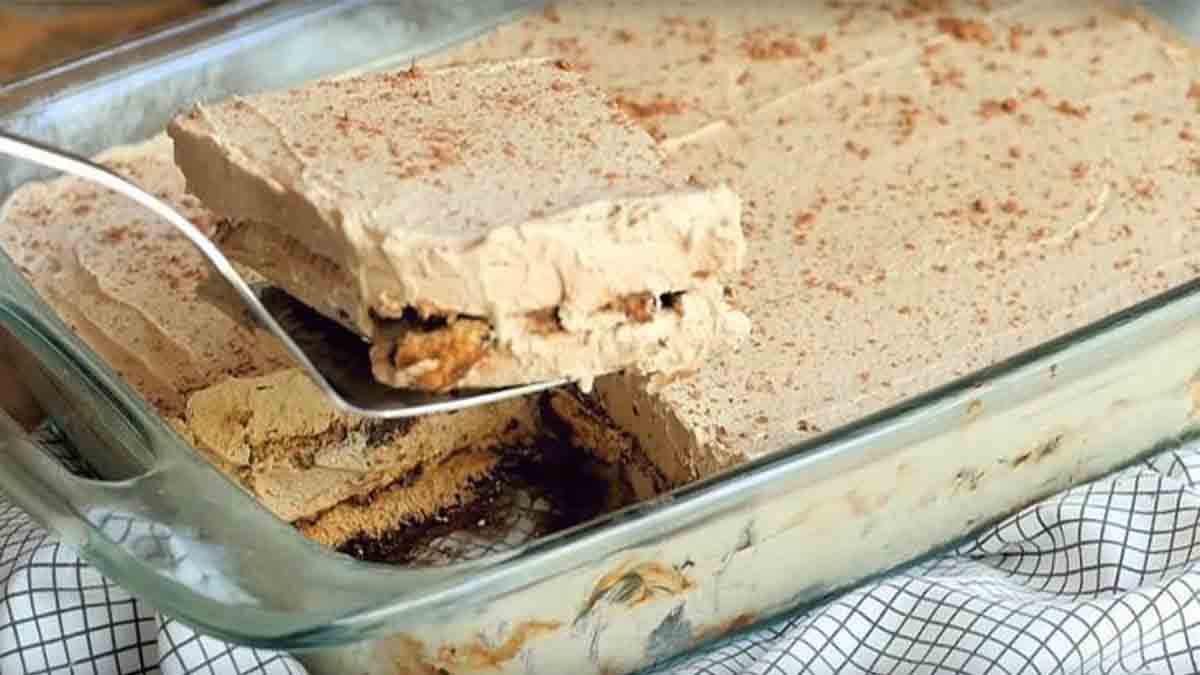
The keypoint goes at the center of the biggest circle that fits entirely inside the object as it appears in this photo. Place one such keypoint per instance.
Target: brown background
(36, 35)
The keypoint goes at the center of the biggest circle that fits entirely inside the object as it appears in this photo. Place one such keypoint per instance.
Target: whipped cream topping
(491, 191)
(928, 188)
(483, 191)
(672, 340)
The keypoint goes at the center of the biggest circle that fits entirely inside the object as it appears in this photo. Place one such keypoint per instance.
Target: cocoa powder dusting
(857, 150)
(1071, 110)
(647, 110)
(966, 30)
(1016, 37)
(991, 108)
(772, 50)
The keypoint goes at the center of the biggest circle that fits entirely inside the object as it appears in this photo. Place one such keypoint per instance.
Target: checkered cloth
(1103, 578)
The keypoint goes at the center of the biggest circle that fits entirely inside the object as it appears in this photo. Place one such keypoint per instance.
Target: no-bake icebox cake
(923, 189)
(481, 225)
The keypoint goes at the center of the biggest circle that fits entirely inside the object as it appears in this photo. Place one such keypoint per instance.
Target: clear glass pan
(711, 557)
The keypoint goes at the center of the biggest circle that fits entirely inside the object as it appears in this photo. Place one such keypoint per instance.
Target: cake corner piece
(482, 226)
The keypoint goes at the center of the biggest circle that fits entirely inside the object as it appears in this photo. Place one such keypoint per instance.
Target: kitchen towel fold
(1103, 578)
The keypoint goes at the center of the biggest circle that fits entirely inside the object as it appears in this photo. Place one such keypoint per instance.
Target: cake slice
(135, 292)
(481, 226)
(132, 289)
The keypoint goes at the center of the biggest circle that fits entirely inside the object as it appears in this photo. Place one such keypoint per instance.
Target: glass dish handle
(105, 474)
(32, 481)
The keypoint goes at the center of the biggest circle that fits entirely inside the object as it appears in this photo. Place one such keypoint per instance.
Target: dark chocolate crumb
(575, 483)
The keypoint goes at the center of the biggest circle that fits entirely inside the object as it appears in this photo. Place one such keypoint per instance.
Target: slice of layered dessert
(136, 292)
(480, 226)
(929, 188)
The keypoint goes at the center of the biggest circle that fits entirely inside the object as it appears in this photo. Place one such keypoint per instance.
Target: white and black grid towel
(1104, 578)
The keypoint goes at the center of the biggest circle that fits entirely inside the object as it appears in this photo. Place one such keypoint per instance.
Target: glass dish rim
(691, 503)
(678, 508)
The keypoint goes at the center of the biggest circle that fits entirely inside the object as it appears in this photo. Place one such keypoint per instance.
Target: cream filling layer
(249, 160)
(278, 437)
(671, 339)
(479, 351)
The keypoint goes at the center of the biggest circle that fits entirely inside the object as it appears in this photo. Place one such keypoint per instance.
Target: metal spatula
(336, 359)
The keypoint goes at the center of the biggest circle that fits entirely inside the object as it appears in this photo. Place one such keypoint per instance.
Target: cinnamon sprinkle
(1071, 110)
(115, 235)
(908, 123)
(652, 109)
(1016, 37)
(966, 30)
(858, 150)
(1143, 187)
(991, 108)
(952, 77)
(773, 50)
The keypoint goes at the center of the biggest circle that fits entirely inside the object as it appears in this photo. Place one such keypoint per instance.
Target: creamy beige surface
(128, 283)
(672, 340)
(491, 191)
(300, 456)
(924, 195)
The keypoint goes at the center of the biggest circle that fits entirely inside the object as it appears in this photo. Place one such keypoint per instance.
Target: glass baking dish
(612, 595)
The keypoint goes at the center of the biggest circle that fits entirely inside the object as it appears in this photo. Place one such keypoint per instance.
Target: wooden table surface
(36, 35)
